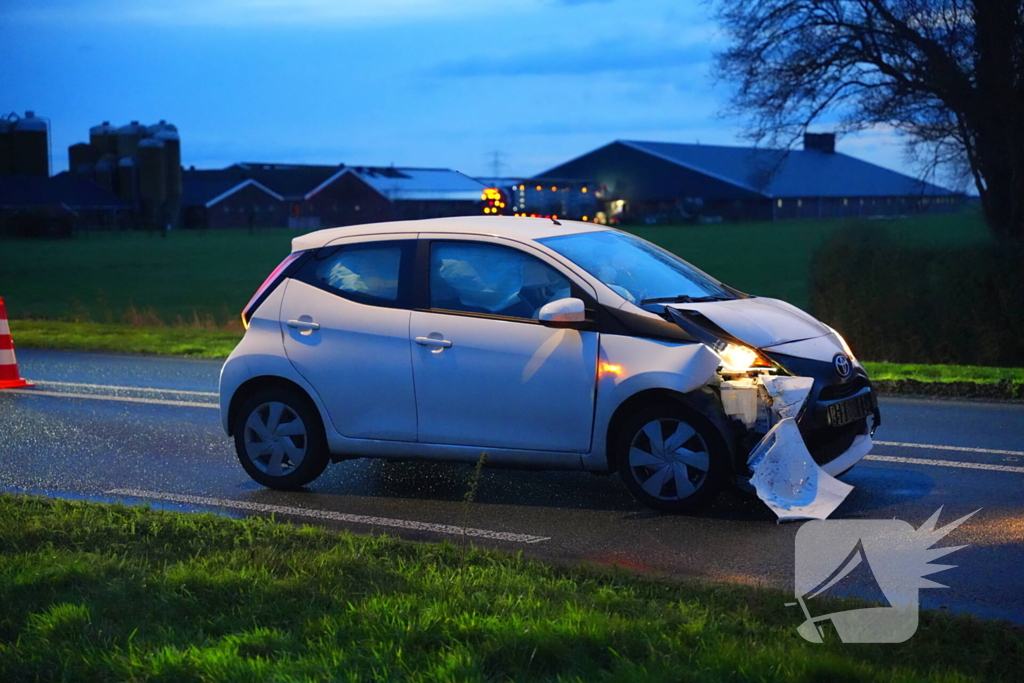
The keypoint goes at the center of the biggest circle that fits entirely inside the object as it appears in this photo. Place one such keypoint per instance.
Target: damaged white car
(547, 345)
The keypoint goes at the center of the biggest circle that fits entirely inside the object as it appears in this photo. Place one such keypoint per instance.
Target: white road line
(111, 387)
(333, 516)
(102, 397)
(946, 463)
(966, 449)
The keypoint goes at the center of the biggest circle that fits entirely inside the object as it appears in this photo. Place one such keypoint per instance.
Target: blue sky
(409, 82)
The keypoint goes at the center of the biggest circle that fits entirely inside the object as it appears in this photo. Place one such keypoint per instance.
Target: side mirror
(563, 313)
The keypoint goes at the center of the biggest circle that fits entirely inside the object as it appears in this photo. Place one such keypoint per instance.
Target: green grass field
(113, 593)
(195, 277)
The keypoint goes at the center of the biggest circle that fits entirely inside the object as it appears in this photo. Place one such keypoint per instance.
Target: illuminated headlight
(736, 358)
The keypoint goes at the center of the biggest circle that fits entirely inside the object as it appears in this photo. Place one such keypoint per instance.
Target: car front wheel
(279, 438)
(670, 459)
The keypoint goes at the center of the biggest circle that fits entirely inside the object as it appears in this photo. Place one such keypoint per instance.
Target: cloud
(594, 59)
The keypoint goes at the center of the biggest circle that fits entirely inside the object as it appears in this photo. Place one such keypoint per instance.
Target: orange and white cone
(9, 376)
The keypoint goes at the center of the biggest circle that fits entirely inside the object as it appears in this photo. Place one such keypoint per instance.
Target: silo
(128, 139)
(105, 172)
(103, 139)
(127, 180)
(81, 157)
(152, 176)
(6, 148)
(31, 146)
(172, 159)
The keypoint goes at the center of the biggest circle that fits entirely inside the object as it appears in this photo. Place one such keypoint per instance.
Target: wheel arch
(702, 404)
(260, 383)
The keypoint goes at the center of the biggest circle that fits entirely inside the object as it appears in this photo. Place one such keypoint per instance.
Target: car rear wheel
(279, 438)
(670, 459)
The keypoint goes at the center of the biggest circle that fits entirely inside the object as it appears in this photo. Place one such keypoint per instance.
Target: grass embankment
(101, 592)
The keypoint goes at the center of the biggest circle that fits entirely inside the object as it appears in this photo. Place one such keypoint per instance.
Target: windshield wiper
(681, 299)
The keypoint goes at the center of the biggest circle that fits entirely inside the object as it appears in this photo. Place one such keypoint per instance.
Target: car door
(487, 372)
(345, 320)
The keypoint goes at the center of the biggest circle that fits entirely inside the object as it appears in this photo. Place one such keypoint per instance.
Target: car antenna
(555, 221)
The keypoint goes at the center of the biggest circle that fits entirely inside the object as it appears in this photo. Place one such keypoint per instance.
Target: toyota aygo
(548, 345)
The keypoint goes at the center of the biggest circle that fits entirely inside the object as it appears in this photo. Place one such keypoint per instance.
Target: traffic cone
(9, 376)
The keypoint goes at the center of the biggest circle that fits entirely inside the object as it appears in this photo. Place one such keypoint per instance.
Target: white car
(546, 344)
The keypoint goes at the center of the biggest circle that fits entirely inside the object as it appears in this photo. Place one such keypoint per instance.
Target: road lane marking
(945, 463)
(333, 516)
(966, 449)
(112, 387)
(102, 397)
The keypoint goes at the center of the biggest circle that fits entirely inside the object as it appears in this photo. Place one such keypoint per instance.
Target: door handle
(303, 325)
(430, 341)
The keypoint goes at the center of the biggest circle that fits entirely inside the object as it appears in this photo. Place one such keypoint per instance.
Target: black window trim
(406, 268)
(421, 293)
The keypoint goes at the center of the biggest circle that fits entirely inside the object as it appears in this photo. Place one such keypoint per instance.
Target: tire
(697, 458)
(279, 438)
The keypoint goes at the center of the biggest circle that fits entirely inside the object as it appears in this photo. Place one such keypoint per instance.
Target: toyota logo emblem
(842, 365)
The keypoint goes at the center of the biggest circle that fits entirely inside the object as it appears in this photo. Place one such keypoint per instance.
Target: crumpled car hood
(758, 321)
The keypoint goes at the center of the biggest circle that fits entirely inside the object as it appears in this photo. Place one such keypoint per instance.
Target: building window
(799, 203)
(778, 203)
(846, 201)
(255, 208)
(227, 209)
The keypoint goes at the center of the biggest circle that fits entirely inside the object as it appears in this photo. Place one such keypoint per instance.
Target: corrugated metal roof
(796, 173)
(63, 189)
(398, 184)
(292, 181)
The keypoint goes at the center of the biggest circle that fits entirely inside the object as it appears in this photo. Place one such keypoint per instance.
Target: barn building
(309, 197)
(57, 206)
(664, 182)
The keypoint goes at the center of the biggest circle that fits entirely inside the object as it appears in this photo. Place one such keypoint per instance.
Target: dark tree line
(947, 73)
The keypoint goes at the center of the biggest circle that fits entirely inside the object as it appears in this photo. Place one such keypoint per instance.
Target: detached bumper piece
(785, 475)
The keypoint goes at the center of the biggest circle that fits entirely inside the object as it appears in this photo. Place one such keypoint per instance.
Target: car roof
(501, 226)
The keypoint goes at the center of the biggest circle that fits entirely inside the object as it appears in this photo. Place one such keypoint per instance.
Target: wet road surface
(146, 429)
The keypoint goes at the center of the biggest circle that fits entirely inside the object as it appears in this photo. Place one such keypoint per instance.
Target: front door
(345, 319)
(487, 373)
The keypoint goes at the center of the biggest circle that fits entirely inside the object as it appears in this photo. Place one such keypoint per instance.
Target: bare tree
(949, 74)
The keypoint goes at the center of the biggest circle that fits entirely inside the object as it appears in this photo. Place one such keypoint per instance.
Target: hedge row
(919, 304)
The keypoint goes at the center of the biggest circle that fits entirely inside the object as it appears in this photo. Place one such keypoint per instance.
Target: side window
(365, 273)
(490, 279)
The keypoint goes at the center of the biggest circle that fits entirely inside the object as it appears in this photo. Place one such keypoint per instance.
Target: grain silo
(30, 142)
(6, 148)
(128, 138)
(105, 172)
(152, 175)
(103, 139)
(81, 157)
(127, 180)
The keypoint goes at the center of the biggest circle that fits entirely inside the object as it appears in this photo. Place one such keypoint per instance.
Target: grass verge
(82, 336)
(105, 592)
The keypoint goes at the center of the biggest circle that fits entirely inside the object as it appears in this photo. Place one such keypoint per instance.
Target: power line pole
(496, 157)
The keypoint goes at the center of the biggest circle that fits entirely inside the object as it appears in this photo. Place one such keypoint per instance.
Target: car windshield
(636, 269)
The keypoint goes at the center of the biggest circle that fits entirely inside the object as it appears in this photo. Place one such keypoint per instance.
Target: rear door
(487, 372)
(345, 320)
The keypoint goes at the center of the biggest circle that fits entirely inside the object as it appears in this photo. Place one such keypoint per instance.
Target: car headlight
(738, 358)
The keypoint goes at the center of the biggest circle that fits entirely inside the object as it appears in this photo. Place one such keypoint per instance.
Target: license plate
(850, 410)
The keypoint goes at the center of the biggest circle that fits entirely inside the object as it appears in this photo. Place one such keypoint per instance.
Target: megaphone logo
(884, 560)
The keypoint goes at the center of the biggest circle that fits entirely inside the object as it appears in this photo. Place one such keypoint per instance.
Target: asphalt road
(143, 429)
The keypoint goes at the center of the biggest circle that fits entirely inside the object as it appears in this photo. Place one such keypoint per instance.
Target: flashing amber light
(585, 219)
(584, 190)
(611, 369)
(760, 362)
(522, 187)
(554, 189)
